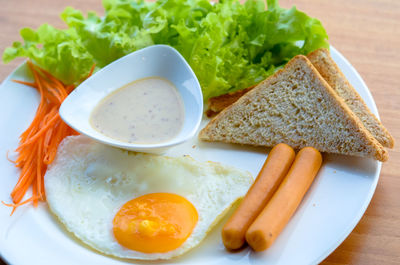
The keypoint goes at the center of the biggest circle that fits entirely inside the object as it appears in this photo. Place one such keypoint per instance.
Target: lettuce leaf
(57, 51)
(229, 45)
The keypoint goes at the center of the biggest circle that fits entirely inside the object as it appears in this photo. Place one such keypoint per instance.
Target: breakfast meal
(269, 79)
(89, 185)
(147, 105)
(295, 106)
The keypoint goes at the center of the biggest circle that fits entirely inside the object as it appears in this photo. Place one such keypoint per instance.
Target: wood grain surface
(367, 33)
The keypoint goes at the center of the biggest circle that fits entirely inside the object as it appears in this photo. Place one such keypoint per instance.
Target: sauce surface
(146, 111)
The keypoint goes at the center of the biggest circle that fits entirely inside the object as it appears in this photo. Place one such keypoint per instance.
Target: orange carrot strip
(35, 123)
(32, 84)
(41, 131)
(50, 76)
(43, 190)
(23, 156)
(271, 175)
(51, 154)
(47, 137)
(15, 205)
(8, 158)
(31, 129)
(53, 97)
(23, 180)
(26, 170)
(91, 70)
(19, 194)
(34, 192)
(271, 221)
(38, 80)
(39, 168)
(55, 92)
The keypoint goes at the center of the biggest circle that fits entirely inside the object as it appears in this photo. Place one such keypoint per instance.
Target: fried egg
(135, 205)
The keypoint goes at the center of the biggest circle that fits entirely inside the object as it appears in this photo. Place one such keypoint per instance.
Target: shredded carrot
(92, 70)
(42, 131)
(15, 205)
(25, 83)
(9, 159)
(38, 144)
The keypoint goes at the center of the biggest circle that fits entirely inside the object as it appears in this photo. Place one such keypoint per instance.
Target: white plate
(330, 210)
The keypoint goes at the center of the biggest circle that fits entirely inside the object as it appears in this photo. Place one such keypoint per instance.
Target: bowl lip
(132, 146)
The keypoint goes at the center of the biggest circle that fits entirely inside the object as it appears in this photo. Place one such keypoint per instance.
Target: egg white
(88, 182)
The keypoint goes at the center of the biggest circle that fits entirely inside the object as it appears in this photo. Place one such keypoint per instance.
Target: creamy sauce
(146, 111)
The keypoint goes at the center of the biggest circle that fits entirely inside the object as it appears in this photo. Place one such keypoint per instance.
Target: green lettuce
(229, 45)
(57, 51)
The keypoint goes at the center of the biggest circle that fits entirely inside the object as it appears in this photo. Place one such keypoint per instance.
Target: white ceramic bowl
(158, 60)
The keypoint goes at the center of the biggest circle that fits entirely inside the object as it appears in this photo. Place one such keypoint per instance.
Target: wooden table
(367, 33)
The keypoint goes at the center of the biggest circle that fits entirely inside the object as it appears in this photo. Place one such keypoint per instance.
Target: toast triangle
(295, 106)
(329, 70)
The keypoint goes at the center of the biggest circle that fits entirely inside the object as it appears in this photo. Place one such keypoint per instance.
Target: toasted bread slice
(295, 106)
(329, 70)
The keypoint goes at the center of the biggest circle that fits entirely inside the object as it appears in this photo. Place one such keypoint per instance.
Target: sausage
(272, 173)
(277, 213)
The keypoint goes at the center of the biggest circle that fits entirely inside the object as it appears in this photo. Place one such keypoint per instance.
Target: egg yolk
(155, 222)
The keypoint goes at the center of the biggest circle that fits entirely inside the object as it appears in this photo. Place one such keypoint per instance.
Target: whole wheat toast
(329, 70)
(295, 106)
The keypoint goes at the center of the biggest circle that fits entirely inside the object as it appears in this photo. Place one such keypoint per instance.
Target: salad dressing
(146, 111)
